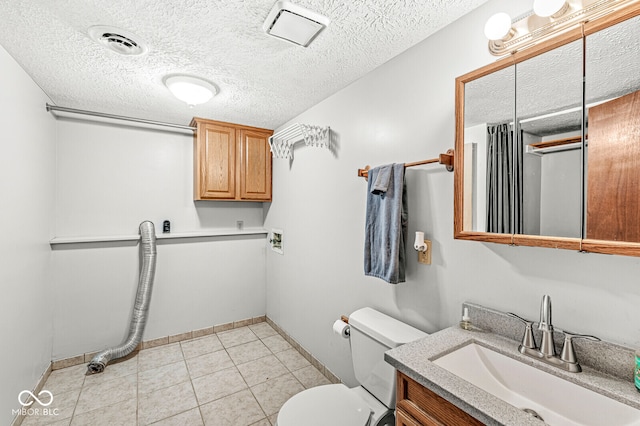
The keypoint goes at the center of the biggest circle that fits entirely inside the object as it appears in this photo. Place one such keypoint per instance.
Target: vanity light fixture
(191, 90)
(548, 18)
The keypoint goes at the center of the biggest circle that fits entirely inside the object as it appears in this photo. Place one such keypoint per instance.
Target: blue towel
(386, 224)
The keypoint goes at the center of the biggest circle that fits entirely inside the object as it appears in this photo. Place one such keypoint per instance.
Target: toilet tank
(372, 334)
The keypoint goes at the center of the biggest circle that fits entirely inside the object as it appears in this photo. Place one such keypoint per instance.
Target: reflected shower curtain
(504, 180)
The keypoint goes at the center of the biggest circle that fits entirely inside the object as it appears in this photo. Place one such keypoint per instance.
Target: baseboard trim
(161, 341)
(17, 421)
(305, 353)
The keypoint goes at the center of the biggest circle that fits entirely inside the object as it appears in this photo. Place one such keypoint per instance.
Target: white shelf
(118, 238)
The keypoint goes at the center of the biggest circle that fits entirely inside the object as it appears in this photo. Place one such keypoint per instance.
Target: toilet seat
(334, 405)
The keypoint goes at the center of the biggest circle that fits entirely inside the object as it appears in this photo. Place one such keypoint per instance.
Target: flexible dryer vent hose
(141, 307)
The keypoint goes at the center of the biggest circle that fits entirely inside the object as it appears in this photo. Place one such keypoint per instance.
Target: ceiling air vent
(294, 23)
(117, 40)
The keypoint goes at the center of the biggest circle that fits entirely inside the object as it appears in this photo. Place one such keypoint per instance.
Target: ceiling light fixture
(192, 90)
(294, 23)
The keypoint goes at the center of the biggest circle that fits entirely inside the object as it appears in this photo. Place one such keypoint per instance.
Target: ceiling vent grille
(294, 24)
(117, 40)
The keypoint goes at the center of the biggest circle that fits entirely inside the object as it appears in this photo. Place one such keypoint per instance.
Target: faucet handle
(568, 353)
(528, 341)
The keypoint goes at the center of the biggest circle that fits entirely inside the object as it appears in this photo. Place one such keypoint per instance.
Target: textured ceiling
(262, 81)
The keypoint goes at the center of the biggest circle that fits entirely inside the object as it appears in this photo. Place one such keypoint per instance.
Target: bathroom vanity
(417, 405)
(431, 392)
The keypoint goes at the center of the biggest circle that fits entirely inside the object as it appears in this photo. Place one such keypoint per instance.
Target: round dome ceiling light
(191, 90)
(117, 40)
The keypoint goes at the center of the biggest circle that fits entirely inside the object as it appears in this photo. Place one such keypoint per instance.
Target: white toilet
(371, 404)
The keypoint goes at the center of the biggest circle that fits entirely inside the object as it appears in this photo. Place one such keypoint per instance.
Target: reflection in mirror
(489, 104)
(612, 95)
(548, 161)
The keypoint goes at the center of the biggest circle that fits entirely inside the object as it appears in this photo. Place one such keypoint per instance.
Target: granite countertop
(414, 360)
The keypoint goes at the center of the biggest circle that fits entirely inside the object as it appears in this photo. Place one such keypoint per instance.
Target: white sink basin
(557, 401)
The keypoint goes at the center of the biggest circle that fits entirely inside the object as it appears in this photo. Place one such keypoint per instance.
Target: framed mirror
(550, 171)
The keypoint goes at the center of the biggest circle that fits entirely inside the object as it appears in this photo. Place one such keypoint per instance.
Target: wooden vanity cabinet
(231, 161)
(418, 406)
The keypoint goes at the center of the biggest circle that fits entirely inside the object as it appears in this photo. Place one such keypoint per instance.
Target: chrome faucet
(547, 350)
(547, 347)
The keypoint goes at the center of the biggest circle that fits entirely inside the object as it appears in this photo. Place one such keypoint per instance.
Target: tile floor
(239, 377)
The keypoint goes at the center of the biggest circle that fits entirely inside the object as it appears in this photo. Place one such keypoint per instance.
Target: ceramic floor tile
(311, 377)
(66, 379)
(276, 343)
(159, 356)
(162, 377)
(262, 369)
(236, 337)
(61, 407)
(208, 363)
(121, 414)
(188, 418)
(107, 393)
(273, 418)
(45, 421)
(114, 370)
(231, 378)
(292, 359)
(262, 330)
(201, 346)
(275, 392)
(165, 403)
(219, 384)
(263, 422)
(248, 352)
(239, 409)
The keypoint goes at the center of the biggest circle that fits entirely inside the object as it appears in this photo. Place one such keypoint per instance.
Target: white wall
(404, 111)
(26, 189)
(112, 177)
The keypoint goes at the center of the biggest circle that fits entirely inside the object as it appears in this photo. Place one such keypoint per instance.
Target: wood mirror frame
(587, 245)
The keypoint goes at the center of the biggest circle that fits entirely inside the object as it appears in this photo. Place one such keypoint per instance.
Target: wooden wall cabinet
(231, 161)
(418, 406)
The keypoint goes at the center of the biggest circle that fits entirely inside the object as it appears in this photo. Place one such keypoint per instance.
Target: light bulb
(546, 8)
(498, 27)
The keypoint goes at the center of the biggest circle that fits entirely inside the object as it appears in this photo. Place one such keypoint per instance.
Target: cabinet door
(255, 165)
(404, 419)
(215, 162)
(613, 178)
(427, 408)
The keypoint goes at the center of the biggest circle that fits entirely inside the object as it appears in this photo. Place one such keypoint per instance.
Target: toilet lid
(325, 405)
